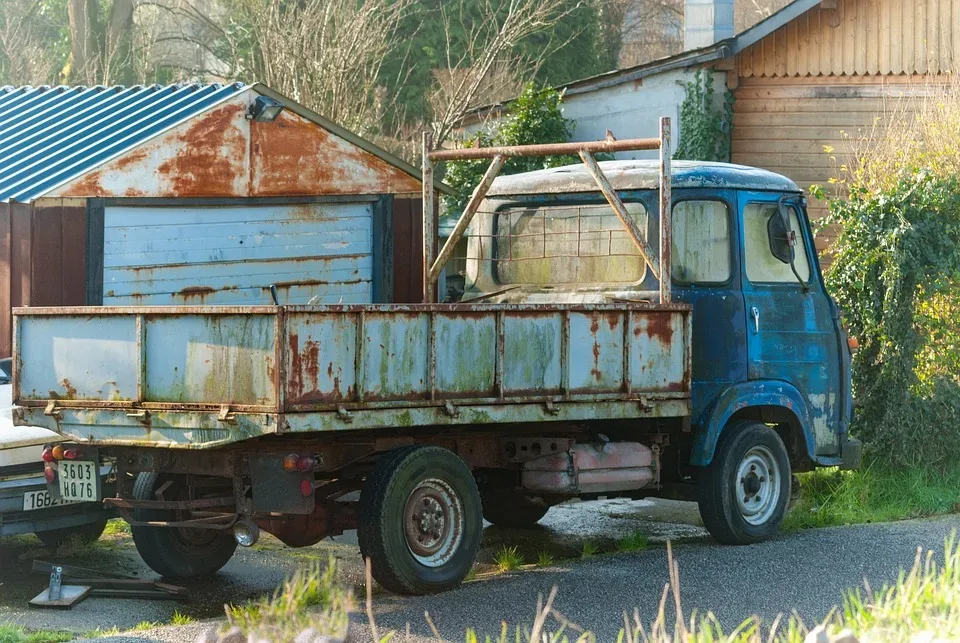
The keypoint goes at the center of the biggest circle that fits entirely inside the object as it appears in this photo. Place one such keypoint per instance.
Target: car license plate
(41, 500)
(79, 481)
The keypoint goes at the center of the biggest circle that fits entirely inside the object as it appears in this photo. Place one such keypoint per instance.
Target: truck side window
(566, 244)
(701, 242)
(762, 266)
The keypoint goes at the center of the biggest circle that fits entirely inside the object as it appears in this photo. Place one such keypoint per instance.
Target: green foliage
(877, 493)
(635, 541)
(508, 558)
(895, 274)
(544, 559)
(17, 634)
(588, 549)
(311, 597)
(181, 619)
(705, 127)
(536, 116)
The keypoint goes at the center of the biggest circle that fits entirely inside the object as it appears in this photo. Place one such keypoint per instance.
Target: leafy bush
(895, 272)
(705, 127)
(535, 117)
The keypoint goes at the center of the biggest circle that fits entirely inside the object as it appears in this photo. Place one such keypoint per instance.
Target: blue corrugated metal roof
(50, 135)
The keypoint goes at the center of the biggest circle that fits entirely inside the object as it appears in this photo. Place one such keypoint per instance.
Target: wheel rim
(758, 485)
(433, 522)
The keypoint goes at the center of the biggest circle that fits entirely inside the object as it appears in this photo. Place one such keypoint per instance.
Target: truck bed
(201, 377)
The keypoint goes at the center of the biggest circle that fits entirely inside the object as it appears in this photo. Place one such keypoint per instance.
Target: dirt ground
(257, 571)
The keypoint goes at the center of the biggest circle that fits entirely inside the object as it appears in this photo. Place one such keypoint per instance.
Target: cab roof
(642, 175)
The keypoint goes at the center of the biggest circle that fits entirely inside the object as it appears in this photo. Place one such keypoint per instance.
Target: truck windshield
(566, 244)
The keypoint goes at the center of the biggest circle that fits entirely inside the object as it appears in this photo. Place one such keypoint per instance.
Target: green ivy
(536, 116)
(705, 127)
(895, 275)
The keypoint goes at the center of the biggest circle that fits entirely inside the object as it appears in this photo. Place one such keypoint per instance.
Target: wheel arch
(767, 401)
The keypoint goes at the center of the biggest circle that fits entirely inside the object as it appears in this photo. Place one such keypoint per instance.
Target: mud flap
(276, 490)
(851, 454)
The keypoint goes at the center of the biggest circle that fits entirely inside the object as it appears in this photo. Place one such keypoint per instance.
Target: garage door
(232, 255)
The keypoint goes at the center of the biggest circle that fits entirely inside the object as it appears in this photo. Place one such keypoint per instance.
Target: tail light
(853, 343)
(58, 452)
(294, 462)
(49, 474)
(72, 454)
(306, 488)
(47, 455)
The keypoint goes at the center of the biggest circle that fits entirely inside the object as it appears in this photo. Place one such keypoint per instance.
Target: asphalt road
(806, 572)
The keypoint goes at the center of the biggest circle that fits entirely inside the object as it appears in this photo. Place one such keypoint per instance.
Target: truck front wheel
(420, 520)
(743, 493)
(176, 552)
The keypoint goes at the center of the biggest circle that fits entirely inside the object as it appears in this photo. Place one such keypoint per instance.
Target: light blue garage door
(231, 255)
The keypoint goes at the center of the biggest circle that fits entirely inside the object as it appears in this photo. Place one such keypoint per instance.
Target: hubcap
(758, 485)
(433, 522)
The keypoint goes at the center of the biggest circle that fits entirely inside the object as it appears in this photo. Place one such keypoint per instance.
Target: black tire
(507, 509)
(721, 487)
(175, 552)
(391, 492)
(87, 533)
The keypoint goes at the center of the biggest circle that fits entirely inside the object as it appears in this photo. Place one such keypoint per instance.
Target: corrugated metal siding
(861, 37)
(51, 135)
(231, 255)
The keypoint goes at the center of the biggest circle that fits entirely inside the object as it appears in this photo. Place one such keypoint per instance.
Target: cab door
(704, 266)
(791, 333)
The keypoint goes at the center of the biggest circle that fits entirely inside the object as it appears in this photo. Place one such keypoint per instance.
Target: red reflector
(304, 463)
(290, 462)
(72, 454)
(47, 455)
(49, 474)
(306, 488)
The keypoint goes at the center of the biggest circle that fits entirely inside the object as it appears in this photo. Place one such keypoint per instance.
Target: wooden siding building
(805, 78)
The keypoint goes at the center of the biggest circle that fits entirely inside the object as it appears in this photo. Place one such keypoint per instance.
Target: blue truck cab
(769, 355)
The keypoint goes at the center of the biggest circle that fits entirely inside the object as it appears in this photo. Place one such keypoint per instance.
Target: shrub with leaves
(705, 126)
(895, 274)
(535, 117)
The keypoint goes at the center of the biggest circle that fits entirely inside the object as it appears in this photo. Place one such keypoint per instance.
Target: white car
(26, 504)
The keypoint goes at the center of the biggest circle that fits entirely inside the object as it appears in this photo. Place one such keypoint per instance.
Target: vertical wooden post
(665, 211)
(429, 219)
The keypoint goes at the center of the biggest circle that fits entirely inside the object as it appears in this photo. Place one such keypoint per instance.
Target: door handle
(756, 319)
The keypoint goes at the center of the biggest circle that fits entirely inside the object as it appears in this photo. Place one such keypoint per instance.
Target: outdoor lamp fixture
(265, 110)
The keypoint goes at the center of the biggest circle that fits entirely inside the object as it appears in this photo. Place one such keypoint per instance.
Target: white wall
(631, 109)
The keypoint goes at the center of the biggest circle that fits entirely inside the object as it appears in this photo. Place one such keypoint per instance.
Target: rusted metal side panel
(208, 156)
(220, 153)
(294, 156)
(349, 366)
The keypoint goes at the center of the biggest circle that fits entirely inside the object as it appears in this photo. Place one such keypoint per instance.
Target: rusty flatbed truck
(579, 361)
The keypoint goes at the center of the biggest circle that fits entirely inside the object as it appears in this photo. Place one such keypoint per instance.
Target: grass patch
(588, 549)
(310, 598)
(117, 527)
(144, 625)
(544, 559)
(181, 619)
(830, 497)
(508, 558)
(18, 634)
(633, 542)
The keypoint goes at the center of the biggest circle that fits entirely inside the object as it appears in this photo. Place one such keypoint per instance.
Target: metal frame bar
(659, 265)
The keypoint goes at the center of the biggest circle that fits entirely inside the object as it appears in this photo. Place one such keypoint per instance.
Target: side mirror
(781, 238)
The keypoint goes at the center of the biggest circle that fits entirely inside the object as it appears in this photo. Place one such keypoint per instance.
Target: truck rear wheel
(507, 509)
(743, 494)
(420, 520)
(175, 552)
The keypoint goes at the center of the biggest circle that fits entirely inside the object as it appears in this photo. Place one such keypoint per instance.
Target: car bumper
(14, 520)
